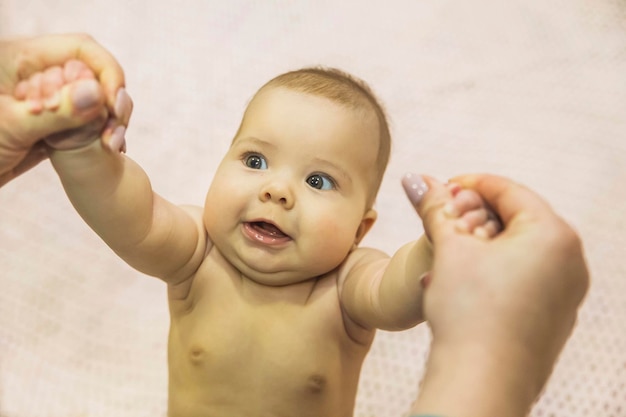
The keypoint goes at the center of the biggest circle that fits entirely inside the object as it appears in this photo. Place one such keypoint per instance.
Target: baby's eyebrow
(256, 141)
(336, 168)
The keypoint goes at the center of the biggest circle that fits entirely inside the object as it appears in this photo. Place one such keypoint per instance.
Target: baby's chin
(275, 278)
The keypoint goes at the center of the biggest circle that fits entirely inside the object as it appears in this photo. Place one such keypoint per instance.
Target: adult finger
(38, 53)
(429, 198)
(34, 156)
(511, 201)
(80, 102)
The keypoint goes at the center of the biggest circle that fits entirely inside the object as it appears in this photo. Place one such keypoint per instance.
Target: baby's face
(289, 200)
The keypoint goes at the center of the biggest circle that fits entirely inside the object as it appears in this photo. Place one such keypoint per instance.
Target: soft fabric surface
(534, 90)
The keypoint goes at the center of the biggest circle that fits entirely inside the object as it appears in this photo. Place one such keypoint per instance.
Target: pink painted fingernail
(117, 142)
(86, 94)
(123, 105)
(414, 187)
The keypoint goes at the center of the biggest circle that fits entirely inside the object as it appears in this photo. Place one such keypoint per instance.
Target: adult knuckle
(84, 37)
(25, 62)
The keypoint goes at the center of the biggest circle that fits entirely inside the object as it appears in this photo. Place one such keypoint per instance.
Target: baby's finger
(77, 70)
(86, 74)
(470, 220)
(81, 102)
(463, 201)
(21, 90)
(453, 187)
(71, 69)
(488, 230)
(33, 93)
(51, 84)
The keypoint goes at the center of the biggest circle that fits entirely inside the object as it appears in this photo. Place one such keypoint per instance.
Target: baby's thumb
(81, 102)
(428, 197)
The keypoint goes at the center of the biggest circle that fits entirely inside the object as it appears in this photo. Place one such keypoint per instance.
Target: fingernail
(450, 209)
(86, 94)
(454, 188)
(414, 187)
(35, 106)
(481, 232)
(425, 279)
(123, 105)
(461, 225)
(117, 141)
(53, 102)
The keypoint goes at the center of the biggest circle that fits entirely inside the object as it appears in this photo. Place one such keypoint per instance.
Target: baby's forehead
(359, 107)
(354, 101)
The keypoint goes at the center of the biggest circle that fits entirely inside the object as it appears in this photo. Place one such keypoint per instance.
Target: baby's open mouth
(268, 229)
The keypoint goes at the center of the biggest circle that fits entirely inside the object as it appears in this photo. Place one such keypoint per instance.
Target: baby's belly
(262, 366)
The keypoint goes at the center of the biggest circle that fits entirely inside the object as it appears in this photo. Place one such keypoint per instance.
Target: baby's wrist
(111, 138)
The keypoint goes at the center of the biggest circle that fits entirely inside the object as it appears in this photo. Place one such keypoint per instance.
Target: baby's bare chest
(240, 355)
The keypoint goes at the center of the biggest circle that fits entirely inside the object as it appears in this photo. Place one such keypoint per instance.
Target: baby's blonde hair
(347, 90)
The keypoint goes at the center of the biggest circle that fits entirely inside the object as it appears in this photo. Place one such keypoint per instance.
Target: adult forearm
(477, 380)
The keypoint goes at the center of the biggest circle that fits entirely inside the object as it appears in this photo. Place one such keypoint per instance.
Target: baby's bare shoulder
(359, 258)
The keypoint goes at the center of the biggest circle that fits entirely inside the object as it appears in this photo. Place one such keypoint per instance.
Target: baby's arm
(386, 293)
(114, 196)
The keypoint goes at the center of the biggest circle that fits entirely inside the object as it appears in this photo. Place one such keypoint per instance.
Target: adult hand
(500, 310)
(25, 121)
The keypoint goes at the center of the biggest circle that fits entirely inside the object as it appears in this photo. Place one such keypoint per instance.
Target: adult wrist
(476, 380)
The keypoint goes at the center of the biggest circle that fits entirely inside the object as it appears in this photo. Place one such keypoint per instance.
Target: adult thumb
(429, 196)
(80, 102)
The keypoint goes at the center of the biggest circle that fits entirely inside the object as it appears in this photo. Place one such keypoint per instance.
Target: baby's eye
(255, 161)
(321, 182)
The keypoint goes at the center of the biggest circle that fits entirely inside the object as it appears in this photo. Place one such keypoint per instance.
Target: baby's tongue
(269, 229)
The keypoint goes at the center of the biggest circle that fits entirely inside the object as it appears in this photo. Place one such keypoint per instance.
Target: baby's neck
(296, 293)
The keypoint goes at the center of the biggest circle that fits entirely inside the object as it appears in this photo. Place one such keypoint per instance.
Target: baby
(273, 303)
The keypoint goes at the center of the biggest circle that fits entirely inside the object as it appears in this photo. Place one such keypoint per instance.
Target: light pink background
(531, 89)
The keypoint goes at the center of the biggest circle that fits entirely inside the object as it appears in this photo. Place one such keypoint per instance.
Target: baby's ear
(366, 224)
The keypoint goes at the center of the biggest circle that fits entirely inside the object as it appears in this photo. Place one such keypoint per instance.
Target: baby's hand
(43, 89)
(474, 216)
(47, 91)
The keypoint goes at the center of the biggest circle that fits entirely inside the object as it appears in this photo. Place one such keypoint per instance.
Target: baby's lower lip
(257, 234)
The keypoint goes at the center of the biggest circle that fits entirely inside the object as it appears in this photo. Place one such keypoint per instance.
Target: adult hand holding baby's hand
(60, 88)
(500, 310)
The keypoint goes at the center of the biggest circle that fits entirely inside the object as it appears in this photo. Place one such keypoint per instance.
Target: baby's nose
(278, 192)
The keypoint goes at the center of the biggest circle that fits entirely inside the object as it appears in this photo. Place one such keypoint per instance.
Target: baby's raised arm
(114, 196)
(386, 293)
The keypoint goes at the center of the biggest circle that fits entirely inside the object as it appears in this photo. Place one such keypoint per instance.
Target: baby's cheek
(337, 236)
